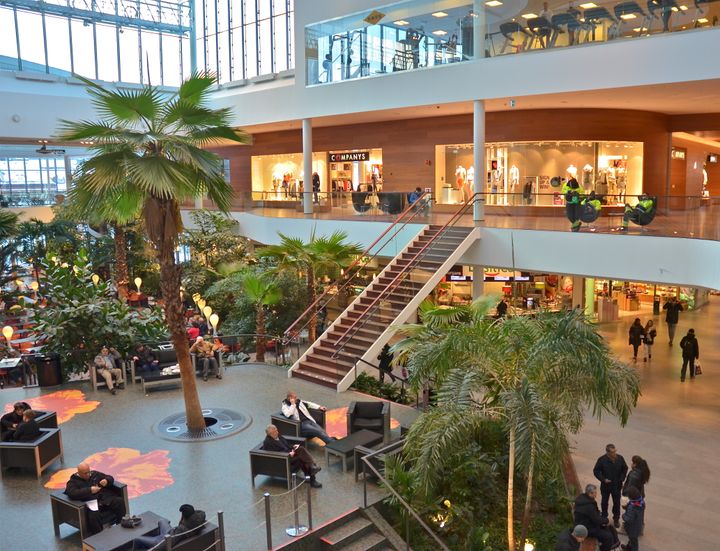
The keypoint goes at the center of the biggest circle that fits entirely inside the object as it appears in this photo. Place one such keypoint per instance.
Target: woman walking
(649, 340)
(636, 335)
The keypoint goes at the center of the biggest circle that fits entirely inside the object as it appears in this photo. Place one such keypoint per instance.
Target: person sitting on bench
(191, 521)
(301, 458)
(86, 485)
(107, 369)
(205, 351)
(26, 431)
(294, 408)
(10, 421)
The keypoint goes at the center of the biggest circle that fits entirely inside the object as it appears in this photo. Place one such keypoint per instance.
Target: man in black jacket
(86, 485)
(690, 352)
(587, 514)
(301, 458)
(10, 421)
(191, 522)
(570, 540)
(611, 469)
(672, 316)
(28, 430)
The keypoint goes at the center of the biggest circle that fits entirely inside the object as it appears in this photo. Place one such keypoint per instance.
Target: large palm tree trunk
(312, 297)
(528, 495)
(122, 274)
(511, 491)
(260, 330)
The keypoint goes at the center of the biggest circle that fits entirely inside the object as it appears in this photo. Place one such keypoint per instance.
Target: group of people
(645, 335)
(616, 481)
(19, 425)
(299, 410)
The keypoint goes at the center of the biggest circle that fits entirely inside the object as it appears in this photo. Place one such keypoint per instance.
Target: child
(633, 518)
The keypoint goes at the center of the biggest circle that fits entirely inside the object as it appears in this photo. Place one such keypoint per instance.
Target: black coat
(634, 478)
(567, 542)
(80, 489)
(587, 513)
(26, 432)
(694, 347)
(279, 445)
(636, 334)
(188, 527)
(673, 311)
(634, 518)
(614, 471)
(8, 420)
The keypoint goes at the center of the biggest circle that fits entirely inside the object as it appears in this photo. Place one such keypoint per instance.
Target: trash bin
(48, 370)
(656, 306)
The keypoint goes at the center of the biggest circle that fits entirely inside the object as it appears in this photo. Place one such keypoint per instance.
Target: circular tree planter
(219, 424)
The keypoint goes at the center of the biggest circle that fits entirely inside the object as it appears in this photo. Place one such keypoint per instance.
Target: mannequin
(460, 179)
(621, 182)
(514, 177)
(572, 171)
(587, 179)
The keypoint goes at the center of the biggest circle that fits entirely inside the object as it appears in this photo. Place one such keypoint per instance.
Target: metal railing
(360, 321)
(396, 447)
(393, 378)
(360, 263)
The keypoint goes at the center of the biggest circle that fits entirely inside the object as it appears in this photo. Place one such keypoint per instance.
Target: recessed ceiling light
(683, 8)
(528, 16)
(401, 22)
(702, 20)
(439, 33)
(588, 5)
(674, 8)
(494, 3)
(627, 16)
(439, 14)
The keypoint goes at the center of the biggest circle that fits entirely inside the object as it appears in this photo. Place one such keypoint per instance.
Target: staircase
(391, 299)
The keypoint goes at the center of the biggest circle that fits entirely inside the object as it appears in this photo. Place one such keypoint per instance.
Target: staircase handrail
(405, 270)
(366, 463)
(291, 332)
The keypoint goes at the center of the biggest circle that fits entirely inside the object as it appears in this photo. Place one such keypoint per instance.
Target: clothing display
(572, 171)
(514, 177)
(460, 177)
(587, 179)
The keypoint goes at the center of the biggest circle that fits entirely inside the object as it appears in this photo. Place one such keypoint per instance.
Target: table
(151, 381)
(344, 448)
(117, 538)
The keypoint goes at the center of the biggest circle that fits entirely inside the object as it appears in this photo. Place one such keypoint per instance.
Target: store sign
(349, 156)
(459, 278)
(677, 153)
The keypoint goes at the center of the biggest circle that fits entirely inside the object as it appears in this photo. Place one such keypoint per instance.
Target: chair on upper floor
(359, 201)
(374, 416)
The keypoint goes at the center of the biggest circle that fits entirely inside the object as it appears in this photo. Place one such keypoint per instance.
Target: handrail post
(268, 526)
(221, 529)
(297, 529)
(407, 532)
(309, 502)
(364, 483)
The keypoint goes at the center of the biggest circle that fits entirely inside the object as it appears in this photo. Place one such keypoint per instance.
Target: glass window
(30, 31)
(59, 38)
(107, 53)
(83, 48)
(8, 47)
(129, 63)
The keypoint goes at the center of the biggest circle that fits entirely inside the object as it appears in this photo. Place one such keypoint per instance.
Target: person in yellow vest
(573, 209)
(638, 213)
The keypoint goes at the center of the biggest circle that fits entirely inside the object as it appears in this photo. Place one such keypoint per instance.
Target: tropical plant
(510, 370)
(262, 291)
(148, 145)
(321, 256)
(35, 239)
(78, 316)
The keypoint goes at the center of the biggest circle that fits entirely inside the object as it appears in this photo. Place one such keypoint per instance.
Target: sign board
(349, 156)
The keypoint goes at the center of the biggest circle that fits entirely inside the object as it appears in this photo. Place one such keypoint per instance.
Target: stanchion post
(221, 530)
(297, 529)
(309, 502)
(364, 482)
(268, 527)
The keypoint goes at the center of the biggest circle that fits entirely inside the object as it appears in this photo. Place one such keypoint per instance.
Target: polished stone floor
(675, 428)
(213, 475)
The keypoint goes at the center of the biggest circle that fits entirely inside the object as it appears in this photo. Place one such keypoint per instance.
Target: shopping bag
(698, 369)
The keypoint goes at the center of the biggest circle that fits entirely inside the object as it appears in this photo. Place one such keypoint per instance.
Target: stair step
(312, 365)
(348, 533)
(374, 541)
(301, 374)
(329, 362)
(326, 350)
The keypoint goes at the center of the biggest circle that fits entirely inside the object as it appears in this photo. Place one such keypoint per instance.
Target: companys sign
(349, 156)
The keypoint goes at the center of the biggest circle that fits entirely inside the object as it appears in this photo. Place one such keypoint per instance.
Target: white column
(478, 282)
(578, 293)
(479, 29)
(307, 166)
(479, 158)
(198, 202)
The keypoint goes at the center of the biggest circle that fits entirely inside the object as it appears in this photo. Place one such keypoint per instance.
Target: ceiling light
(674, 8)
(494, 3)
(588, 5)
(439, 14)
(702, 20)
(683, 8)
(627, 16)
(528, 16)
(401, 22)
(439, 33)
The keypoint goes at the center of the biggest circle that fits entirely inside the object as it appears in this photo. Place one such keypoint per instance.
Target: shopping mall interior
(413, 236)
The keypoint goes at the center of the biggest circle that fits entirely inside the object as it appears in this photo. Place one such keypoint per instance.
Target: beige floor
(675, 428)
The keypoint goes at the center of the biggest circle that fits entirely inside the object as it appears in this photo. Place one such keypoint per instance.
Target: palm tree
(511, 370)
(321, 256)
(149, 145)
(262, 291)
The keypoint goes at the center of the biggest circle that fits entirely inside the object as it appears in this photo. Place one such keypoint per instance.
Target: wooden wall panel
(690, 181)
(408, 146)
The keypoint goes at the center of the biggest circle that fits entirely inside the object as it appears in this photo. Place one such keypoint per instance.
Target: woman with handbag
(649, 340)
(636, 336)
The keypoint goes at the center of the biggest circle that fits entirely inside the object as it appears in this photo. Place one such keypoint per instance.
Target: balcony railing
(419, 34)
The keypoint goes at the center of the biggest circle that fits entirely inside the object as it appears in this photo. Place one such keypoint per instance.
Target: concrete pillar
(478, 283)
(590, 296)
(307, 166)
(198, 202)
(578, 292)
(479, 158)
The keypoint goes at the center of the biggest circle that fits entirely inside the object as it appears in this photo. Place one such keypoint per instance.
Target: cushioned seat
(374, 416)
(74, 512)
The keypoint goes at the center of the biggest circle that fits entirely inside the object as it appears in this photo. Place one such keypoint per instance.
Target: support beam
(478, 282)
(307, 166)
(479, 158)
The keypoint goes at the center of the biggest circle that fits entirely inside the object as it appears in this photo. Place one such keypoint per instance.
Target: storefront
(630, 298)
(532, 173)
(280, 177)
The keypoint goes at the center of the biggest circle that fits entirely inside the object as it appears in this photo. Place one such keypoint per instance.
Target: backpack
(689, 348)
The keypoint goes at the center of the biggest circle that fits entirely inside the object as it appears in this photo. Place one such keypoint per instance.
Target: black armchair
(374, 416)
(273, 464)
(74, 512)
(37, 455)
(291, 427)
(208, 539)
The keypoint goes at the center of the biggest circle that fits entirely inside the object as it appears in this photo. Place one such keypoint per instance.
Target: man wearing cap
(191, 522)
(570, 540)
